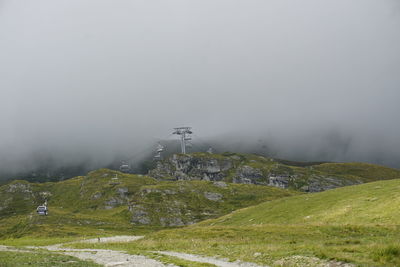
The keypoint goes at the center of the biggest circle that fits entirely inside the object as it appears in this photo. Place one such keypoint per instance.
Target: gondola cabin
(42, 210)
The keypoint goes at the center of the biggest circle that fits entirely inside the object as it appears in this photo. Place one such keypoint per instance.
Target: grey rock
(213, 196)
(235, 157)
(19, 187)
(150, 190)
(318, 183)
(113, 202)
(220, 184)
(139, 215)
(218, 169)
(171, 221)
(96, 195)
(279, 181)
(189, 167)
(249, 175)
(123, 192)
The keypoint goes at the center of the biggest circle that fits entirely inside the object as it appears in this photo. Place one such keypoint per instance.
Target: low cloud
(98, 81)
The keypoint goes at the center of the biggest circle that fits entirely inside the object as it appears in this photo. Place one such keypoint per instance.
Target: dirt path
(114, 239)
(110, 258)
(101, 256)
(210, 260)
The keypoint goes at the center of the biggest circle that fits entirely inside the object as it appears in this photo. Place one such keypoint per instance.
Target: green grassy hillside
(357, 224)
(370, 203)
(263, 224)
(100, 204)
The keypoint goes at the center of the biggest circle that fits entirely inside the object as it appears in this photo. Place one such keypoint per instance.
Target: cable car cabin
(42, 210)
(160, 148)
(124, 168)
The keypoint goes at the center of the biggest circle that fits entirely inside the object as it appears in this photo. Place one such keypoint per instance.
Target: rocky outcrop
(20, 188)
(139, 215)
(113, 202)
(188, 167)
(279, 181)
(249, 175)
(96, 195)
(317, 183)
(213, 196)
(239, 169)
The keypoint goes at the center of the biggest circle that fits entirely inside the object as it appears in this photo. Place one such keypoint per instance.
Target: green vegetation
(267, 225)
(101, 205)
(357, 224)
(370, 203)
(367, 172)
(43, 259)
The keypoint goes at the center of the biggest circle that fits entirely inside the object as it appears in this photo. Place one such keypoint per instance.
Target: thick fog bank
(87, 83)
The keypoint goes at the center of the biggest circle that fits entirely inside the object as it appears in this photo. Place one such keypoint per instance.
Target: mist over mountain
(85, 84)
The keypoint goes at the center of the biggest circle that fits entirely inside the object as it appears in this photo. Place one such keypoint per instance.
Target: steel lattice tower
(184, 133)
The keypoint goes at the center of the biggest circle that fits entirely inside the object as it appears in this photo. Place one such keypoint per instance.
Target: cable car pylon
(184, 133)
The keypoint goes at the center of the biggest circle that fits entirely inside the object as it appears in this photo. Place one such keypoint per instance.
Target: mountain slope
(370, 203)
(118, 202)
(254, 169)
(357, 224)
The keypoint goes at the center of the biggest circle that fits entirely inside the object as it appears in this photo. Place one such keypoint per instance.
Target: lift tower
(185, 133)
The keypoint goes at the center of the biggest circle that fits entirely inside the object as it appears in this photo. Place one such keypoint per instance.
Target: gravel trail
(113, 239)
(104, 257)
(211, 260)
(110, 258)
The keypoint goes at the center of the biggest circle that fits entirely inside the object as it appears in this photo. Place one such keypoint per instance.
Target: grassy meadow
(42, 259)
(279, 227)
(357, 224)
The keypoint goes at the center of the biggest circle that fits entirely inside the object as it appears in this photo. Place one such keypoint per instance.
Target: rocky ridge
(258, 170)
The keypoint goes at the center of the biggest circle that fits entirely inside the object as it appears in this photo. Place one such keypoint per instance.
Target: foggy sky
(91, 80)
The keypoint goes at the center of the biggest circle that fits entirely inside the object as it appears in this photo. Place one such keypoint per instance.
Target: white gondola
(42, 210)
(160, 148)
(124, 167)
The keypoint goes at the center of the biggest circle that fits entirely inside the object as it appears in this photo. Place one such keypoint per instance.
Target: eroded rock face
(323, 183)
(279, 181)
(188, 167)
(123, 192)
(19, 187)
(113, 202)
(139, 215)
(249, 175)
(236, 169)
